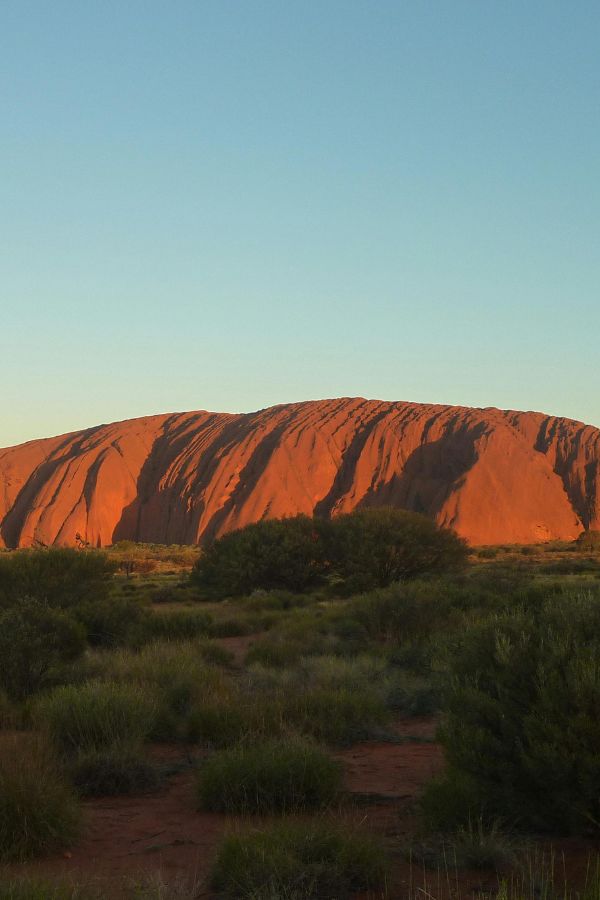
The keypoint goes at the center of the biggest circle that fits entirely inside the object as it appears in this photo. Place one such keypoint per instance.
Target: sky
(228, 204)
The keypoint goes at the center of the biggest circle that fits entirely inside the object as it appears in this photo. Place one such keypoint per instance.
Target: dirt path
(129, 838)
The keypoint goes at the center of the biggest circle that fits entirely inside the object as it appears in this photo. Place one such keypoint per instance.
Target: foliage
(113, 771)
(368, 548)
(273, 554)
(476, 845)
(58, 577)
(299, 861)
(36, 641)
(337, 715)
(523, 720)
(112, 622)
(178, 624)
(180, 676)
(285, 775)
(97, 716)
(388, 544)
(38, 811)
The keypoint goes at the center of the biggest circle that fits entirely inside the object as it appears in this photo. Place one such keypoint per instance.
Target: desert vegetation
(361, 704)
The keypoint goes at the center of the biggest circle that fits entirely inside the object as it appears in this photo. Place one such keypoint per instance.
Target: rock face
(494, 476)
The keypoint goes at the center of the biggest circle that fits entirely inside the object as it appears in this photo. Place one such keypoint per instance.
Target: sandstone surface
(495, 476)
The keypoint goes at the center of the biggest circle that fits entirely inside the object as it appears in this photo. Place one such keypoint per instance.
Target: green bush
(523, 727)
(274, 554)
(404, 613)
(286, 775)
(57, 577)
(368, 548)
(338, 716)
(97, 716)
(303, 861)
(214, 653)
(389, 545)
(476, 845)
(36, 642)
(179, 624)
(233, 626)
(277, 653)
(180, 676)
(38, 811)
(113, 771)
(215, 724)
(112, 622)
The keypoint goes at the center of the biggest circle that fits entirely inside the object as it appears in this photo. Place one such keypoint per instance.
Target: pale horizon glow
(232, 206)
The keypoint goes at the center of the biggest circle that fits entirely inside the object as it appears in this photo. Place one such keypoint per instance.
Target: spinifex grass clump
(477, 845)
(97, 715)
(286, 775)
(336, 715)
(177, 675)
(334, 700)
(299, 861)
(99, 728)
(38, 811)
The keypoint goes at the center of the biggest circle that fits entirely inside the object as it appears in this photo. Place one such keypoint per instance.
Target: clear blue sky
(225, 204)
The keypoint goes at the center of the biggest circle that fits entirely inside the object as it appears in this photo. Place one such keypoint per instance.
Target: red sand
(128, 838)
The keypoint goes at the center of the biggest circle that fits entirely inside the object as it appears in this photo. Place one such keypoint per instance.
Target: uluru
(494, 476)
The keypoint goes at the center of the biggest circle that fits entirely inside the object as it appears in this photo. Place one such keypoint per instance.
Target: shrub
(35, 643)
(404, 613)
(109, 623)
(216, 724)
(413, 696)
(179, 624)
(273, 776)
(303, 861)
(58, 577)
(215, 654)
(115, 771)
(391, 545)
(176, 674)
(277, 653)
(38, 811)
(270, 555)
(234, 626)
(368, 548)
(474, 846)
(339, 715)
(96, 716)
(522, 727)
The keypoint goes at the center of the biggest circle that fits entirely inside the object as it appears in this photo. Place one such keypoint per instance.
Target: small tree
(389, 545)
(276, 553)
(35, 642)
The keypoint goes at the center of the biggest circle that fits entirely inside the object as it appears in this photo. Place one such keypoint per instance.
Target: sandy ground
(131, 838)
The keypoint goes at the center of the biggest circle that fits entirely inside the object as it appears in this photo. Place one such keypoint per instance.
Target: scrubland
(300, 711)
